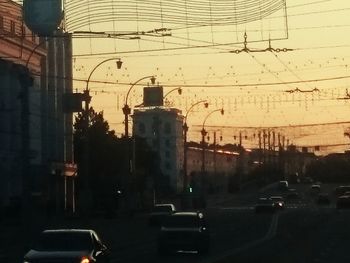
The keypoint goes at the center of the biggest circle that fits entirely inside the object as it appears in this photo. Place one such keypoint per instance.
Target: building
(162, 128)
(35, 133)
(219, 166)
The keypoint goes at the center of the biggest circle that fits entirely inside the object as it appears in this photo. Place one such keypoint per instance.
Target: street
(303, 232)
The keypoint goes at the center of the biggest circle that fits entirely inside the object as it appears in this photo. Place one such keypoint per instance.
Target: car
(343, 202)
(323, 199)
(315, 188)
(159, 212)
(278, 202)
(265, 205)
(184, 231)
(292, 195)
(68, 245)
(283, 185)
(341, 190)
(307, 180)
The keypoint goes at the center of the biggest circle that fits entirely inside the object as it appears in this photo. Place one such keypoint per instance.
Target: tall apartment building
(162, 128)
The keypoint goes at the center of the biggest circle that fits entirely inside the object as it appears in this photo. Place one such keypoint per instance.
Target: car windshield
(264, 201)
(276, 198)
(162, 208)
(64, 241)
(181, 221)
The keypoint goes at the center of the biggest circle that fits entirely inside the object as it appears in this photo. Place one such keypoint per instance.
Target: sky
(299, 93)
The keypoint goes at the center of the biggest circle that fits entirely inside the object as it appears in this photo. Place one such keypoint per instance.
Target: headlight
(26, 261)
(85, 260)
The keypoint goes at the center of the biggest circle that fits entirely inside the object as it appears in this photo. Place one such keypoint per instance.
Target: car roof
(69, 231)
(187, 214)
(276, 197)
(265, 200)
(163, 205)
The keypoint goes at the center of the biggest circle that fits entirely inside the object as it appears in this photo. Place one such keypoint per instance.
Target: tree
(108, 163)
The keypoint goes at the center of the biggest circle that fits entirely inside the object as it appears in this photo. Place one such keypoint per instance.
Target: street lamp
(185, 130)
(87, 98)
(204, 133)
(127, 109)
(179, 90)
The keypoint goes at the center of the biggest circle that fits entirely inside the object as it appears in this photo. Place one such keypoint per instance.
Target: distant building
(35, 134)
(162, 128)
(219, 161)
(219, 166)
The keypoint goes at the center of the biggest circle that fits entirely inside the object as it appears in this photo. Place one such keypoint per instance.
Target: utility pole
(214, 154)
(203, 133)
(240, 138)
(260, 147)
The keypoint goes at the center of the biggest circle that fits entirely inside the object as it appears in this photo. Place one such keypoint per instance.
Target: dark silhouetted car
(283, 185)
(265, 205)
(68, 245)
(315, 188)
(159, 212)
(341, 190)
(278, 202)
(323, 199)
(343, 202)
(184, 231)
(292, 195)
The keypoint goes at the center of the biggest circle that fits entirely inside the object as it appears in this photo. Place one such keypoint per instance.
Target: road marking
(273, 227)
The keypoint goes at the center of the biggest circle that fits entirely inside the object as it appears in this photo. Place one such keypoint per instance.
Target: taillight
(85, 260)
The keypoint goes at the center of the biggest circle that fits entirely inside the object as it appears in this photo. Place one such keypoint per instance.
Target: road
(303, 232)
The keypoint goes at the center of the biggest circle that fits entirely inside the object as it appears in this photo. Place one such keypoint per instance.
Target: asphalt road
(303, 232)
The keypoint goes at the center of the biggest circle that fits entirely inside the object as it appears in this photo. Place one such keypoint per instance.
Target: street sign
(42, 16)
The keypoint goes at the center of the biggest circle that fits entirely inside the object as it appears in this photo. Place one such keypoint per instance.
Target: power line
(203, 85)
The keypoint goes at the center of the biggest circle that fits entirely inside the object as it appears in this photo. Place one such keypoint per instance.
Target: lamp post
(179, 90)
(127, 109)
(127, 178)
(87, 96)
(185, 130)
(86, 156)
(204, 133)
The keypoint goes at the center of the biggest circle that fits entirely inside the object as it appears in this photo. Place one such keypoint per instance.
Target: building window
(1, 22)
(167, 154)
(167, 128)
(168, 166)
(13, 27)
(142, 128)
(167, 143)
